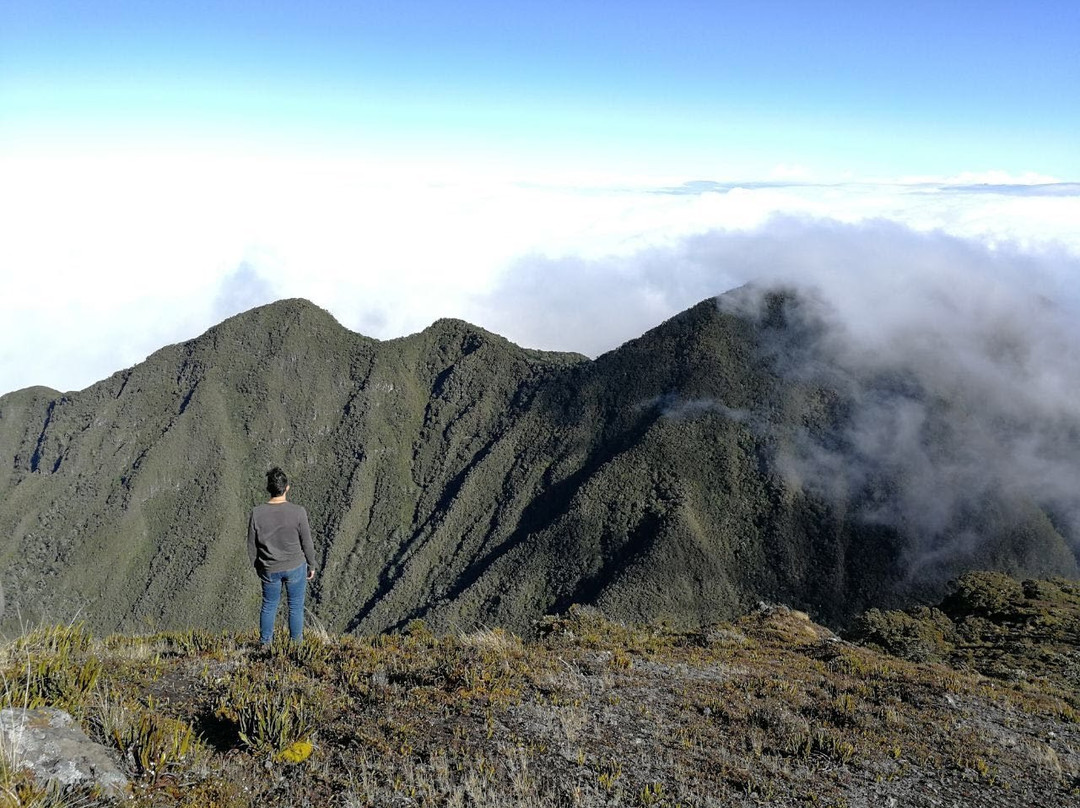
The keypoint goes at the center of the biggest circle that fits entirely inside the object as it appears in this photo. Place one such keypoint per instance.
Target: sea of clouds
(107, 257)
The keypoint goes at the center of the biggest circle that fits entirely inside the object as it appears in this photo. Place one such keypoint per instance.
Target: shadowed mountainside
(453, 476)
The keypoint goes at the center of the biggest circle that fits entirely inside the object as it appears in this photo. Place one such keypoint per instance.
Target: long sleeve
(251, 548)
(305, 539)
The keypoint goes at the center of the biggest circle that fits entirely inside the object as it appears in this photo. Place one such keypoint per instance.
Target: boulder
(50, 745)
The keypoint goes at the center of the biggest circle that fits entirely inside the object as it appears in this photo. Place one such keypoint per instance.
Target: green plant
(312, 653)
(923, 635)
(851, 662)
(50, 681)
(651, 794)
(418, 630)
(63, 641)
(193, 642)
(609, 775)
(18, 789)
(984, 594)
(833, 745)
(154, 744)
(50, 666)
(270, 713)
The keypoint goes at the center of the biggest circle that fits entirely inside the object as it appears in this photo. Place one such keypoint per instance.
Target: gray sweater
(279, 538)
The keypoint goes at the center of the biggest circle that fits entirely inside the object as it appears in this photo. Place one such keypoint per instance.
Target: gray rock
(49, 744)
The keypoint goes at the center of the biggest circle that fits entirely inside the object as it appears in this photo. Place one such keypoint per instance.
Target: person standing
(279, 546)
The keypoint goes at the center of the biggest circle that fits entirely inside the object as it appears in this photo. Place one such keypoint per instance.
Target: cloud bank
(108, 256)
(867, 269)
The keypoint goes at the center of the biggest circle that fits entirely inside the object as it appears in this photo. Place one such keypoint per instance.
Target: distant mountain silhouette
(455, 477)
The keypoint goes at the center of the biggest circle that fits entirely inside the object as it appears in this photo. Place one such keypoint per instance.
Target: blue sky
(164, 165)
(870, 88)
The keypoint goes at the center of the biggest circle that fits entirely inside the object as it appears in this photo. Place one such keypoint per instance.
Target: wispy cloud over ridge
(867, 269)
(961, 366)
(243, 289)
(959, 363)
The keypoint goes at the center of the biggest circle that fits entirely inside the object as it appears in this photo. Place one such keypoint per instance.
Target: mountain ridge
(450, 475)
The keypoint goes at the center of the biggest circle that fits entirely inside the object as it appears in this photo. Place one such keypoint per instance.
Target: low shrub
(924, 635)
(50, 681)
(984, 594)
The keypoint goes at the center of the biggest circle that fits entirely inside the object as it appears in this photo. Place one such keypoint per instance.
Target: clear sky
(164, 164)
(729, 87)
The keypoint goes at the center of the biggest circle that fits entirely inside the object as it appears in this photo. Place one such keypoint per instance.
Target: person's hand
(310, 574)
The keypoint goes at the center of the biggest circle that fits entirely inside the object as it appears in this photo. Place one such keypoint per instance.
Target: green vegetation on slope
(452, 477)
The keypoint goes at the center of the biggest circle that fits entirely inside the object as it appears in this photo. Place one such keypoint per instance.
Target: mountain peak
(282, 312)
(452, 326)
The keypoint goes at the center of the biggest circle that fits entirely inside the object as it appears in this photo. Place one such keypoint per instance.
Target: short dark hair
(276, 482)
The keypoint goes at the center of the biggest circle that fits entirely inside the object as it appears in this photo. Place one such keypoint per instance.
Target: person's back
(282, 536)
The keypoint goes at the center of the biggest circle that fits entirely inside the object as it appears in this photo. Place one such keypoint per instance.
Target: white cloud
(968, 288)
(129, 250)
(961, 365)
(866, 269)
(905, 321)
(986, 178)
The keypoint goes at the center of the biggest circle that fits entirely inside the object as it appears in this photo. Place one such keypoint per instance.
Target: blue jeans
(295, 585)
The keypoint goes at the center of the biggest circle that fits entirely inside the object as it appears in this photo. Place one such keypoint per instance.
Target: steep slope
(453, 476)
(661, 500)
(127, 502)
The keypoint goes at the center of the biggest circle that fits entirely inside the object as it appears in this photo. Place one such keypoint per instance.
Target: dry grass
(771, 709)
